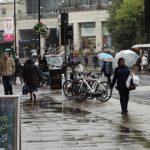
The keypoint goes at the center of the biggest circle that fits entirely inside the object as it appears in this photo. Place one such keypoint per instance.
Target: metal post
(39, 20)
(15, 47)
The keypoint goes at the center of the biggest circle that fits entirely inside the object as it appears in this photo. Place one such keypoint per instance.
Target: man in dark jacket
(120, 75)
(18, 71)
(32, 77)
(107, 70)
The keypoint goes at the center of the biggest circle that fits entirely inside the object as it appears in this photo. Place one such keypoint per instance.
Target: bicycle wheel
(78, 94)
(102, 90)
(106, 91)
(86, 89)
(109, 91)
(67, 89)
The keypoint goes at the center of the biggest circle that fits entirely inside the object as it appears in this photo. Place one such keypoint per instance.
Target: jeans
(7, 83)
(124, 99)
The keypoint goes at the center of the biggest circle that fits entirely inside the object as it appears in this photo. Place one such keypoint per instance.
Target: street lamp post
(15, 47)
(39, 20)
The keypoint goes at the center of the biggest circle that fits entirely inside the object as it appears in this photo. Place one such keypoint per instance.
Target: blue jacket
(121, 74)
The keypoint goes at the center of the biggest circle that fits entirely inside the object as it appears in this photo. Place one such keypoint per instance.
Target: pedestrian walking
(139, 62)
(31, 77)
(107, 70)
(18, 71)
(144, 63)
(95, 61)
(43, 65)
(121, 74)
(86, 60)
(7, 70)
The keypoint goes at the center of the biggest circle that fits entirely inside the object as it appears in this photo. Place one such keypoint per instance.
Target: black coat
(18, 69)
(31, 75)
(121, 74)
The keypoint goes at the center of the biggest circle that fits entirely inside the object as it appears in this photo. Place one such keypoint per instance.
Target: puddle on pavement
(54, 107)
(67, 110)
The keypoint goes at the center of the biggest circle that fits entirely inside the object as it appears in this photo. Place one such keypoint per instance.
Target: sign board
(9, 29)
(9, 123)
(88, 29)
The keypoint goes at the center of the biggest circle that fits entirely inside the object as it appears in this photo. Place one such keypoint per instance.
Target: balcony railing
(35, 16)
(57, 12)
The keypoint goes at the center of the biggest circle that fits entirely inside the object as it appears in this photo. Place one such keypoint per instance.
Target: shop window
(3, 11)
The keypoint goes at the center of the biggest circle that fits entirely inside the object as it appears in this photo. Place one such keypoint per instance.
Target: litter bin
(55, 78)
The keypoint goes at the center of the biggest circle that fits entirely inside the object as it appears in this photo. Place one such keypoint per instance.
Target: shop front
(107, 43)
(88, 36)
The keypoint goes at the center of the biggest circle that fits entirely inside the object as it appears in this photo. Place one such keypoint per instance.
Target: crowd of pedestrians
(31, 75)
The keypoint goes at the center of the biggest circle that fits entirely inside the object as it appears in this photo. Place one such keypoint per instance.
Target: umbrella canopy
(129, 56)
(141, 46)
(105, 57)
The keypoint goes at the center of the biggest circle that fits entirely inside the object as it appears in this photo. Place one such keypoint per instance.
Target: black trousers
(108, 79)
(7, 83)
(124, 99)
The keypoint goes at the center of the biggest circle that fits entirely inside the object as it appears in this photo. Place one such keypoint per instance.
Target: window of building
(107, 41)
(89, 2)
(106, 2)
(3, 11)
(88, 35)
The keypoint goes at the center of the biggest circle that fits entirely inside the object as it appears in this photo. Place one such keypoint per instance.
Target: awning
(141, 46)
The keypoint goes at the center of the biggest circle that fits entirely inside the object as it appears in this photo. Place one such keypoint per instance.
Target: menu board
(9, 123)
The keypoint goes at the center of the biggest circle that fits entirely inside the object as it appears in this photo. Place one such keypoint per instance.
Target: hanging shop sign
(9, 29)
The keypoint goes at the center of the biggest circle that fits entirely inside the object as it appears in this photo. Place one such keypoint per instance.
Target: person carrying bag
(133, 79)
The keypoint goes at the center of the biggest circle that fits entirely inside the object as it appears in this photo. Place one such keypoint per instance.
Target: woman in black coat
(31, 77)
(121, 74)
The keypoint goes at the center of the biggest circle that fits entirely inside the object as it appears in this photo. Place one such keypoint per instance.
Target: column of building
(17, 41)
(99, 36)
(76, 34)
(43, 46)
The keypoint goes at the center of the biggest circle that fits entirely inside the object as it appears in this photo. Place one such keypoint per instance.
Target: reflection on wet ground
(132, 134)
(50, 125)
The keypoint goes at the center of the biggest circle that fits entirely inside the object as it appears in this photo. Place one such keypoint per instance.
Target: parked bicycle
(84, 86)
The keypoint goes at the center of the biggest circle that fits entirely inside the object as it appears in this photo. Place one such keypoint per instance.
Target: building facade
(87, 19)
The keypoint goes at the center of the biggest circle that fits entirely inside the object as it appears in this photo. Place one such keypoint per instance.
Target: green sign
(9, 123)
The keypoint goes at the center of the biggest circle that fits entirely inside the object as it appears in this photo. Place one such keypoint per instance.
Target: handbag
(132, 85)
(132, 81)
(25, 89)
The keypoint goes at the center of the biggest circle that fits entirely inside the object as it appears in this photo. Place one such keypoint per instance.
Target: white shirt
(144, 60)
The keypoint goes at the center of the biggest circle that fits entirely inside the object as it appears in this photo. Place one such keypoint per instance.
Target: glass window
(3, 11)
(54, 60)
(89, 2)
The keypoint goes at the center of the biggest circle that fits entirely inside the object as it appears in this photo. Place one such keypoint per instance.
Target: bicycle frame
(84, 80)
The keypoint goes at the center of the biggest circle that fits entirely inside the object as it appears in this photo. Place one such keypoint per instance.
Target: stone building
(87, 20)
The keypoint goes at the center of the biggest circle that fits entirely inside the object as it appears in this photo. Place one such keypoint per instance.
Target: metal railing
(67, 9)
(54, 51)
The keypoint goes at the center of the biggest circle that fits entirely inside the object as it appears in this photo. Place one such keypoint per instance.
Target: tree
(126, 23)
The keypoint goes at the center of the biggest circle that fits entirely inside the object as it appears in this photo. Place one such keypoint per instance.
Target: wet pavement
(92, 125)
(53, 123)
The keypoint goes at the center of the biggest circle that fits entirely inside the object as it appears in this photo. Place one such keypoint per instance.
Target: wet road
(54, 123)
(51, 126)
